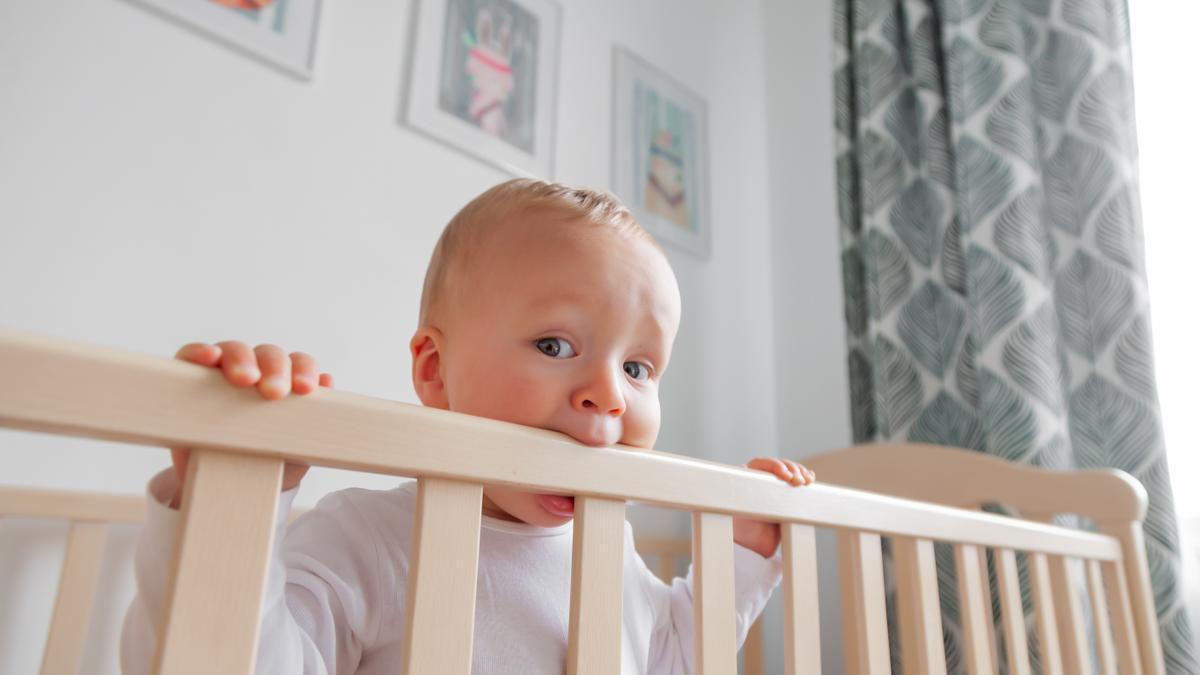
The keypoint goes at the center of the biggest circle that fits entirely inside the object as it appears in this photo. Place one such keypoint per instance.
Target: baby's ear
(425, 347)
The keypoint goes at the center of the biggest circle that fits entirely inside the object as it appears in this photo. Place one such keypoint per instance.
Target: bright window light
(1167, 101)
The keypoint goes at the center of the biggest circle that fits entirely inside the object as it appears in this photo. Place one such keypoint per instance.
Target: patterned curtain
(992, 251)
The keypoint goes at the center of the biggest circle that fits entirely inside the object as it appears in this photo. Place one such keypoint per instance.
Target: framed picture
(281, 32)
(483, 79)
(660, 153)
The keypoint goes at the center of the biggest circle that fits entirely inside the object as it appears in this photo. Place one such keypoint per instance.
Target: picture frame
(660, 153)
(283, 33)
(483, 79)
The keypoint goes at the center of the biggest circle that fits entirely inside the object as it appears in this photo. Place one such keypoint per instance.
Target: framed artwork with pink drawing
(660, 153)
(483, 79)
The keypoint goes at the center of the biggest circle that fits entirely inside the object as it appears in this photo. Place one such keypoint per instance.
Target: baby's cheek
(514, 398)
(642, 421)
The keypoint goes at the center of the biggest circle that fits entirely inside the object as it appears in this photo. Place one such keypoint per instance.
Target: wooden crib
(227, 512)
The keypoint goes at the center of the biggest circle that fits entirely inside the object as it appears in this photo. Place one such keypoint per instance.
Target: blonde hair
(520, 197)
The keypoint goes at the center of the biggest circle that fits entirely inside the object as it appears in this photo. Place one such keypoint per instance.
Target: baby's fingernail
(245, 372)
(274, 385)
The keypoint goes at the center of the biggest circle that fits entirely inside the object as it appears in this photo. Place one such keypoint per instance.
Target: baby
(543, 305)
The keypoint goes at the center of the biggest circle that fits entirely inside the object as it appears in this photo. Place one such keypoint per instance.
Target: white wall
(812, 402)
(160, 188)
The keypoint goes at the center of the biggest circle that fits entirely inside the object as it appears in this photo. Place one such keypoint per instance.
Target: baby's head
(547, 306)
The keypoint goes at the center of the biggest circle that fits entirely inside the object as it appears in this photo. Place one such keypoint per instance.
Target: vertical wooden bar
(1104, 638)
(801, 613)
(1128, 653)
(864, 612)
(1140, 593)
(1043, 608)
(919, 606)
(712, 571)
(1072, 635)
(215, 595)
(989, 623)
(72, 607)
(597, 566)
(1012, 614)
(971, 591)
(440, 618)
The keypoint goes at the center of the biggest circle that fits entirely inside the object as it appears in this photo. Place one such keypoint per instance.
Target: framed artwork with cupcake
(660, 153)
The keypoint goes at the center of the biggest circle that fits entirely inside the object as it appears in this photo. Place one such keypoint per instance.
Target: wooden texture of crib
(242, 442)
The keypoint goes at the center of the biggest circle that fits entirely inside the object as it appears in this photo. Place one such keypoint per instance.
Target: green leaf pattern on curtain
(992, 250)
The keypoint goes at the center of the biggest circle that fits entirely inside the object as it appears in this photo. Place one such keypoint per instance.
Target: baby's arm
(672, 642)
(267, 368)
(760, 536)
(314, 617)
(324, 597)
(757, 569)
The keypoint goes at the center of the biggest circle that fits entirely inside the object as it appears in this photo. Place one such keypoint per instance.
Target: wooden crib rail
(89, 516)
(64, 387)
(241, 442)
(1111, 499)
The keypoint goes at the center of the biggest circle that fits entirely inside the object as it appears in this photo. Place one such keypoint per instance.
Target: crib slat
(971, 591)
(1103, 629)
(1128, 652)
(1043, 609)
(712, 579)
(989, 623)
(594, 641)
(72, 607)
(1140, 593)
(1072, 636)
(1012, 614)
(801, 614)
(227, 526)
(440, 618)
(864, 613)
(919, 606)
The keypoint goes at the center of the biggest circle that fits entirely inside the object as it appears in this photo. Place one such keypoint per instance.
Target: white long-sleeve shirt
(335, 593)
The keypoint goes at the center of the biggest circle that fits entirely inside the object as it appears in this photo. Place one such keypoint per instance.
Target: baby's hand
(266, 367)
(763, 537)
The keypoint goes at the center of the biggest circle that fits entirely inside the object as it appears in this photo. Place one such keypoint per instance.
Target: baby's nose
(602, 396)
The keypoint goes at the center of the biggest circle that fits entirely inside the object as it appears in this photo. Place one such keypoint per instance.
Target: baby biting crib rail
(230, 498)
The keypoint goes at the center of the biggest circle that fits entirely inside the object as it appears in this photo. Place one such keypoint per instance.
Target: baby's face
(567, 327)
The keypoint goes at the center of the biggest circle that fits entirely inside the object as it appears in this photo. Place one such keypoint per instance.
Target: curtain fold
(992, 250)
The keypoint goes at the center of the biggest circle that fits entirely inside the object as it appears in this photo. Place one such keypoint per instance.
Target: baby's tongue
(556, 505)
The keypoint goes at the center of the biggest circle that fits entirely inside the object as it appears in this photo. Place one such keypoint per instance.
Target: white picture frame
(283, 33)
(660, 153)
(483, 79)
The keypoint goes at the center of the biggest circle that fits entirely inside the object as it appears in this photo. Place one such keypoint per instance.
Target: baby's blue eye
(555, 348)
(637, 371)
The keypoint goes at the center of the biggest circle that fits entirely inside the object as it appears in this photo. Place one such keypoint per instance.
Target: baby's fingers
(804, 475)
(200, 353)
(772, 465)
(238, 363)
(276, 370)
(304, 373)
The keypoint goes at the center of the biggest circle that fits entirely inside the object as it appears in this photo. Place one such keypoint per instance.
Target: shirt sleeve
(672, 643)
(315, 619)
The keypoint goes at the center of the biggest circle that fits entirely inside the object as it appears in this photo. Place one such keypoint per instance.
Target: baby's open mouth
(557, 505)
